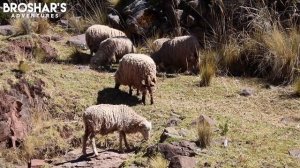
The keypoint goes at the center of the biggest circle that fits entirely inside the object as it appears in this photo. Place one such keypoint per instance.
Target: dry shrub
(114, 2)
(78, 24)
(208, 67)
(230, 52)
(282, 56)
(204, 134)
(158, 162)
(97, 13)
(22, 26)
(42, 26)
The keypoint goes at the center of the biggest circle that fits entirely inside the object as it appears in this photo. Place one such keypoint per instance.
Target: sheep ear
(143, 82)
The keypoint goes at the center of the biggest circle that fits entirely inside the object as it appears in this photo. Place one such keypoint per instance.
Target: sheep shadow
(114, 96)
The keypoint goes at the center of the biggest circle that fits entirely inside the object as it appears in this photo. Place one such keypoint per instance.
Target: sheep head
(145, 129)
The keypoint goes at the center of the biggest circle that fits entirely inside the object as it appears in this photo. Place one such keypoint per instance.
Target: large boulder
(183, 162)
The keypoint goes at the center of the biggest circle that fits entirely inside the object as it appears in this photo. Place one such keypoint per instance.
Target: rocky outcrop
(15, 113)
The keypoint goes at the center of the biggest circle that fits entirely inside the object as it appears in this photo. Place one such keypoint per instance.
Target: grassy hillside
(257, 135)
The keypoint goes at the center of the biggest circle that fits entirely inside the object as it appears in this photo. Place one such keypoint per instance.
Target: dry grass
(97, 13)
(22, 26)
(283, 54)
(230, 52)
(158, 162)
(204, 134)
(42, 26)
(208, 67)
(114, 2)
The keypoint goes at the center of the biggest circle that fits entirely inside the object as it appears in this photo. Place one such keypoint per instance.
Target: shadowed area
(114, 96)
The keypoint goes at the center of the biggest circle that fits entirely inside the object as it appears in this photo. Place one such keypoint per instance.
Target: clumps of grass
(208, 67)
(42, 26)
(224, 128)
(114, 2)
(282, 57)
(204, 134)
(97, 13)
(22, 26)
(158, 162)
(78, 24)
(23, 67)
(230, 52)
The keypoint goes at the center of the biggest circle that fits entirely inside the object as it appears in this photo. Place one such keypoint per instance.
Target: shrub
(22, 26)
(282, 57)
(42, 26)
(208, 67)
(158, 162)
(23, 67)
(97, 13)
(204, 134)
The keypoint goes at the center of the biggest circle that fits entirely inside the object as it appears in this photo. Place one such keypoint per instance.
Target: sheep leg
(130, 90)
(125, 141)
(94, 144)
(120, 141)
(144, 97)
(85, 138)
(151, 95)
(137, 92)
(117, 86)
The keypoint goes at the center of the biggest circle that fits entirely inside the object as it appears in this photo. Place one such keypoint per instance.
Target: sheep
(138, 71)
(95, 34)
(112, 50)
(105, 118)
(178, 54)
(157, 44)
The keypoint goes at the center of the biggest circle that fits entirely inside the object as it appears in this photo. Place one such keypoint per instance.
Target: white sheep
(179, 54)
(95, 34)
(138, 71)
(112, 50)
(105, 118)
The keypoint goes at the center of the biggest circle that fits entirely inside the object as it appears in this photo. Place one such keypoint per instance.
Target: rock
(171, 150)
(15, 114)
(169, 132)
(7, 30)
(173, 121)
(44, 52)
(295, 153)
(64, 23)
(183, 162)
(103, 160)
(247, 92)
(37, 163)
(48, 38)
(78, 41)
(203, 118)
(114, 20)
(183, 132)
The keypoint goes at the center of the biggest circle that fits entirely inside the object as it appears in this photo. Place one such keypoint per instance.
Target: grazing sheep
(95, 34)
(178, 54)
(138, 71)
(157, 44)
(105, 118)
(112, 50)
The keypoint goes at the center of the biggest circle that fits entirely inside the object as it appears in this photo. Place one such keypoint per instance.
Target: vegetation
(204, 134)
(158, 162)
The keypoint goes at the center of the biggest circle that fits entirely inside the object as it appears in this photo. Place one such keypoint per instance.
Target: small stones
(169, 132)
(246, 92)
(295, 153)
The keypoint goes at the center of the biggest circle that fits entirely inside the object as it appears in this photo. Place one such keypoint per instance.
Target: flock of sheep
(135, 70)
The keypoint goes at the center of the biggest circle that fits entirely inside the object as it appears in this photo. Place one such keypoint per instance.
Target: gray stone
(247, 92)
(171, 150)
(295, 153)
(169, 132)
(36, 163)
(78, 41)
(7, 30)
(173, 121)
(203, 118)
(183, 162)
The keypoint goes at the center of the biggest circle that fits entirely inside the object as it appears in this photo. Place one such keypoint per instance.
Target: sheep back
(95, 34)
(137, 70)
(106, 118)
(179, 54)
(112, 50)
(157, 44)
